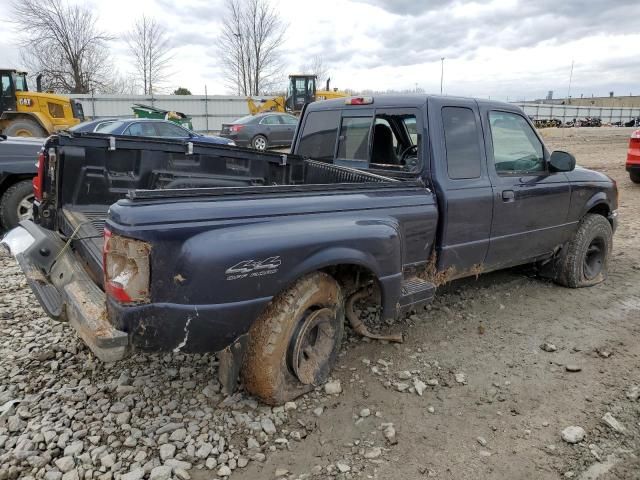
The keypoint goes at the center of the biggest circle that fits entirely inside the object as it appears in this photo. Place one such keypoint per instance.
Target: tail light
(236, 128)
(633, 154)
(359, 101)
(38, 181)
(126, 268)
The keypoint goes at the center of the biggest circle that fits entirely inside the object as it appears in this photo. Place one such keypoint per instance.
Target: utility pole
(569, 90)
(441, 73)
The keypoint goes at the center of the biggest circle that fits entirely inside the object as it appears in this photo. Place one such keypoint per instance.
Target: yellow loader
(302, 90)
(33, 114)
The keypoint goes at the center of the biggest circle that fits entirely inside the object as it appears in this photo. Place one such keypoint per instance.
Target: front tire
(260, 143)
(294, 344)
(635, 177)
(24, 128)
(586, 257)
(16, 204)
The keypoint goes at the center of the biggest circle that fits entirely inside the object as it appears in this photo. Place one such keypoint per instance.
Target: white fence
(208, 112)
(567, 113)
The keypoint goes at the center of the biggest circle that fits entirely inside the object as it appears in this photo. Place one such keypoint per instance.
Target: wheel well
(601, 209)
(352, 278)
(12, 180)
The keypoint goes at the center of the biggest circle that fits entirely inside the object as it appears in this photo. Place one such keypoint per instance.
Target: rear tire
(24, 128)
(16, 204)
(260, 143)
(586, 257)
(294, 344)
(635, 177)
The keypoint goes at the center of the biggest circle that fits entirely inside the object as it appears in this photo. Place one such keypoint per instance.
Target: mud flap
(229, 363)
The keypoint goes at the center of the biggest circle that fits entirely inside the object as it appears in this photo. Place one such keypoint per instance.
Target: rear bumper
(111, 330)
(633, 167)
(65, 291)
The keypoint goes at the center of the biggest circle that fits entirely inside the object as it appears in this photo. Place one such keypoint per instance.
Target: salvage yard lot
(493, 403)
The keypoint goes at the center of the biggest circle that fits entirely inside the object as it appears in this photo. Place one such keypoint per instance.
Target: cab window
(21, 83)
(516, 148)
(353, 143)
(318, 138)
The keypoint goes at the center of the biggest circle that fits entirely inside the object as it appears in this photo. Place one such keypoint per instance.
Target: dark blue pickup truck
(156, 245)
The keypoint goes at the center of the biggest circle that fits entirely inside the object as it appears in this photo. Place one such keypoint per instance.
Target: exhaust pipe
(39, 82)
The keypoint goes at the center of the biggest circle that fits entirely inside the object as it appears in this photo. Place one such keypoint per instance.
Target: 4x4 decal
(253, 268)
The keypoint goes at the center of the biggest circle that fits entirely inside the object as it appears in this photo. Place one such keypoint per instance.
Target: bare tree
(317, 67)
(252, 34)
(151, 50)
(63, 43)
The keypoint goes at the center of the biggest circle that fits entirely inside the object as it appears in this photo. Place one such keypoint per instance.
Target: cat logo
(25, 101)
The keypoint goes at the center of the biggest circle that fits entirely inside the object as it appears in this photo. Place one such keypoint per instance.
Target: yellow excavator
(302, 90)
(33, 114)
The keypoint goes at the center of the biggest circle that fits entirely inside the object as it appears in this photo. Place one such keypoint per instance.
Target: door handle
(508, 196)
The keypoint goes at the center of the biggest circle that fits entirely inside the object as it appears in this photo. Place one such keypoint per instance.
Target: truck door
(460, 177)
(7, 95)
(530, 204)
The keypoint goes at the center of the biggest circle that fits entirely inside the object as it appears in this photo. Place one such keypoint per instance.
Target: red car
(633, 157)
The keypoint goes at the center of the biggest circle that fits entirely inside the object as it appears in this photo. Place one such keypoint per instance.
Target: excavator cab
(302, 90)
(11, 81)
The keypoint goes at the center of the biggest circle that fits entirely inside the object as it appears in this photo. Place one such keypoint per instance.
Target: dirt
(516, 396)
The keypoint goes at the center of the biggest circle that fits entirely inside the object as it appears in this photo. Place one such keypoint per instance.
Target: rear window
(354, 138)
(461, 141)
(243, 120)
(318, 139)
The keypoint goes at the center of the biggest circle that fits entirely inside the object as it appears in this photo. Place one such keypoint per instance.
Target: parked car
(147, 127)
(261, 131)
(261, 256)
(95, 125)
(18, 156)
(633, 157)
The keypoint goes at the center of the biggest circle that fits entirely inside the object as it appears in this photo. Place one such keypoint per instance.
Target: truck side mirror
(562, 161)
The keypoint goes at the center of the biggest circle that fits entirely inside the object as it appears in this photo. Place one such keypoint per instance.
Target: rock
(333, 388)
(433, 382)
(613, 423)
(252, 444)
(419, 386)
(123, 418)
(268, 426)
(71, 475)
(390, 434)
(65, 464)
(178, 435)
(224, 471)
(404, 375)
(169, 427)
(242, 462)
(365, 412)
(633, 393)
(281, 472)
(204, 451)
(137, 474)
(318, 411)
(343, 467)
(108, 461)
(160, 473)
(167, 451)
(290, 406)
(461, 378)
(178, 464)
(573, 434)
(211, 463)
(431, 409)
(482, 441)
(74, 449)
(181, 474)
(570, 367)
(401, 386)
(37, 461)
(484, 453)
(548, 347)
(372, 453)
(53, 475)
(130, 442)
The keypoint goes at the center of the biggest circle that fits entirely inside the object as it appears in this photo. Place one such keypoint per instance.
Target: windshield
(246, 119)
(21, 82)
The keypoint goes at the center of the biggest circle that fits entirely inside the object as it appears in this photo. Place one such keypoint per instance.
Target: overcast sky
(501, 48)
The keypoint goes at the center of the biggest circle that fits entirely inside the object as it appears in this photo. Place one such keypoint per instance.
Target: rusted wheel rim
(25, 208)
(313, 346)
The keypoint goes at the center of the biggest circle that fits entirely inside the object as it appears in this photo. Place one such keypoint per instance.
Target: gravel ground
(508, 376)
